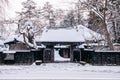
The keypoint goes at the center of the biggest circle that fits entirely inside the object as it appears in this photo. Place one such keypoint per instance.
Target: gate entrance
(60, 56)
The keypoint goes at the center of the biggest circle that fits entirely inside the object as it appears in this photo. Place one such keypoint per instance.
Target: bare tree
(115, 19)
(102, 10)
(95, 22)
(29, 24)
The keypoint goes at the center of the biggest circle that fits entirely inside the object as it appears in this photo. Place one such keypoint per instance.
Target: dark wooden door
(76, 55)
(47, 55)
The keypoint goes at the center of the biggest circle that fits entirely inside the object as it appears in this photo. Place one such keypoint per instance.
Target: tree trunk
(107, 35)
(114, 31)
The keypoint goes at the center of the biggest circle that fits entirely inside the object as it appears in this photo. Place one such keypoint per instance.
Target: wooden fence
(25, 57)
(86, 55)
(100, 57)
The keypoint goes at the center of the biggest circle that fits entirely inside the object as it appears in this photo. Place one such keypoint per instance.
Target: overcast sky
(15, 5)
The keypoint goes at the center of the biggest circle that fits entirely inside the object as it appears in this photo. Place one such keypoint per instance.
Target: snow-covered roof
(116, 44)
(13, 37)
(80, 34)
(61, 46)
(41, 46)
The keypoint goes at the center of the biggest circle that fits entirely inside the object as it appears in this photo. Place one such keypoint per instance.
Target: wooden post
(71, 53)
(80, 54)
(52, 55)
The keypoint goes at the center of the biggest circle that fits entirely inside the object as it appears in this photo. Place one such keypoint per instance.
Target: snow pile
(60, 71)
(58, 57)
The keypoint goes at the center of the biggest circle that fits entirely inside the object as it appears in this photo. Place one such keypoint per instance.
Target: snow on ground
(58, 57)
(59, 71)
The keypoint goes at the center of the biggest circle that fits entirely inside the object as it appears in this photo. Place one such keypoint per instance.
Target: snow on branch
(97, 13)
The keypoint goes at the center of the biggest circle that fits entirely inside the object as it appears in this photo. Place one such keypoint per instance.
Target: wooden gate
(76, 55)
(48, 55)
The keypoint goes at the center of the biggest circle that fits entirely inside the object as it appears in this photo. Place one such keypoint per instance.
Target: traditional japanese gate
(61, 54)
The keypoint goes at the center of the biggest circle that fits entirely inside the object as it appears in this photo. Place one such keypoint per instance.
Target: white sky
(15, 5)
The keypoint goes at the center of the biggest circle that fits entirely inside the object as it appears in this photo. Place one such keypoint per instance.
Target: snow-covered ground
(58, 57)
(60, 71)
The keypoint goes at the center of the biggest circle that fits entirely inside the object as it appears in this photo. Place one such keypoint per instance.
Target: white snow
(88, 34)
(12, 37)
(2, 46)
(60, 71)
(61, 46)
(81, 46)
(1, 42)
(57, 57)
(61, 35)
(20, 39)
(80, 34)
(42, 46)
(9, 51)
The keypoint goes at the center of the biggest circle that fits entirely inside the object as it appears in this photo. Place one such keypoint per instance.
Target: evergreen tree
(49, 15)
